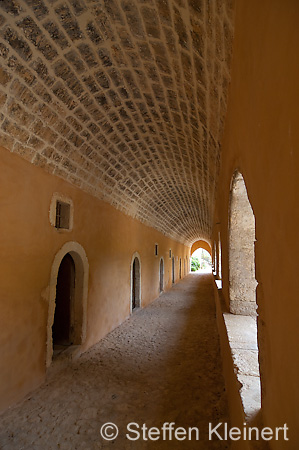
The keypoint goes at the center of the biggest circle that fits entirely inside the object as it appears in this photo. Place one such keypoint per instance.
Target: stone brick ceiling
(123, 98)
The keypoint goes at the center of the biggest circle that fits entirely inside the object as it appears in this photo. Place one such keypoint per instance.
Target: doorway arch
(63, 324)
(77, 330)
(161, 275)
(242, 282)
(172, 271)
(135, 282)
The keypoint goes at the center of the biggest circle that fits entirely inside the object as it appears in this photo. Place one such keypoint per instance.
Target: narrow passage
(162, 365)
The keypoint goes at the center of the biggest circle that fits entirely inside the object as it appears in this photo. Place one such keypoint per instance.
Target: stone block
(69, 22)
(62, 94)
(35, 35)
(180, 29)
(39, 8)
(12, 7)
(5, 77)
(88, 55)
(21, 70)
(56, 34)
(18, 44)
(78, 7)
(164, 11)
(3, 98)
(93, 33)
(105, 57)
(113, 11)
(102, 79)
(18, 114)
(133, 18)
(151, 21)
(6, 140)
(3, 51)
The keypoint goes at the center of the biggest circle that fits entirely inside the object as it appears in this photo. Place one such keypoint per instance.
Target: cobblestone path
(161, 365)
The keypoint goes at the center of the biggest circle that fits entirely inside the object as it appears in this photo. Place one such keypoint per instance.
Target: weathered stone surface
(17, 44)
(5, 77)
(117, 94)
(11, 7)
(69, 23)
(35, 35)
(39, 8)
(56, 34)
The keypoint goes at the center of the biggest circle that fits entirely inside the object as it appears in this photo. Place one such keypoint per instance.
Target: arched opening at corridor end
(201, 244)
(201, 260)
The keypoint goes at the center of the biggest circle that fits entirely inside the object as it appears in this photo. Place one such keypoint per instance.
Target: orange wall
(261, 139)
(28, 246)
(201, 244)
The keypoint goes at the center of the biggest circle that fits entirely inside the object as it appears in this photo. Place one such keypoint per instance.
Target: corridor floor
(161, 365)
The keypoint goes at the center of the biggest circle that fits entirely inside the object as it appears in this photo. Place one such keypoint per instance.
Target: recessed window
(156, 249)
(170, 253)
(63, 212)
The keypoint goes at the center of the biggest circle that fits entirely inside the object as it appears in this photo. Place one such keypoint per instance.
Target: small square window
(156, 249)
(63, 211)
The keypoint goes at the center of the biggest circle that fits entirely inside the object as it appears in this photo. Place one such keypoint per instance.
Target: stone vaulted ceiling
(123, 98)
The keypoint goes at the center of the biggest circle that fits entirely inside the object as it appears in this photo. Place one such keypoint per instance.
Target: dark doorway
(136, 284)
(61, 329)
(161, 275)
(180, 268)
(173, 269)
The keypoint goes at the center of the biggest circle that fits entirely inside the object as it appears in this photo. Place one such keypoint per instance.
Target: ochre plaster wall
(201, 244)
(261, 139)
(28, 247)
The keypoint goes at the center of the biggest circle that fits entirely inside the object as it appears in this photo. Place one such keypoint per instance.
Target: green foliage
(195, 264)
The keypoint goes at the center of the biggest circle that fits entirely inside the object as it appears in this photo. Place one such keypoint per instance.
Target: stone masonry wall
(123, 98)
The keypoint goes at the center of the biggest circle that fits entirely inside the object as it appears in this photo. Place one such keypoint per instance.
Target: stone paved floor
(161, 365)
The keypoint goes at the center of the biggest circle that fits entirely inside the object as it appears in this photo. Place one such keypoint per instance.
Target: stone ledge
(242, 336)
(239, 350)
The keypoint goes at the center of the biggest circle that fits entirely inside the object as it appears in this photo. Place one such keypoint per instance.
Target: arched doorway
(64, 303)
(242, 282)
(70, 263)
(180, 271)
(135, 278)
(173, 277)
(161, 278)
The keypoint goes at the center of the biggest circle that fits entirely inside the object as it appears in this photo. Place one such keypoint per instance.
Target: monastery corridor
(163, 364)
